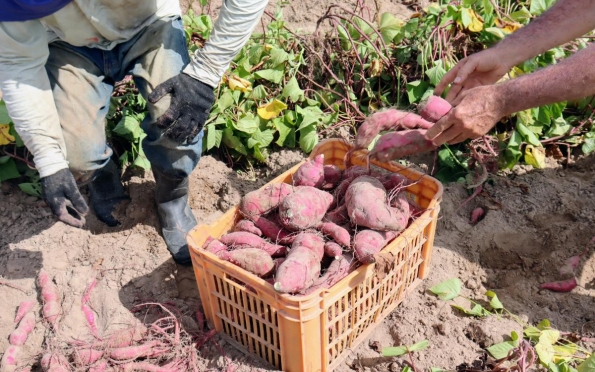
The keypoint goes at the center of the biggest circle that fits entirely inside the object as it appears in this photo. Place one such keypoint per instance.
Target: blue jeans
(82, 82)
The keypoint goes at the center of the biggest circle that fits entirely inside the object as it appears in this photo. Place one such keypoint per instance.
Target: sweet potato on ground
(337, 233)
(10, 358)
(50, 296)
(247, 240)
(18, 337)
(384, 120)
(434, 108)
(24, 307)
(304, 208)
(254, 260)
(87, 356)
(133, 352)
(54, 362)
(397, 145)
(367, 206)
(311, 173)
(368, 243)
(247, 226)
(259, 202)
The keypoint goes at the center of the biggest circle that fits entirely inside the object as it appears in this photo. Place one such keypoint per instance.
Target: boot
(107, 192)
(175, 215)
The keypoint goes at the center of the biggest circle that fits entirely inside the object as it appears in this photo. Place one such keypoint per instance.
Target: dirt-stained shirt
(98, 24)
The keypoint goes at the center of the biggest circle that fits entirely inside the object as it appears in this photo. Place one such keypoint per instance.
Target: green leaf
(477, 310)
(264, 138)
(17, 138)
(559, 127)
(494, 301)
(501, 349)
(544, 324)
(286, 133)
(278, 56)
(293, 91)
(233, 142)
(447, 290)
(389, 27)
(247, 124)
(141, 159)
(274, 75)
(259, 92)
(4, 117)
(436, 73)
(539, 6)
(225, 100)
(545, 352)
(588, 365)
(213, 136)
(128, 127)
(394, 351)
(416, 89)
(529, 136)
(308, 138)
(259, 154)
(31, 188)
(8, 170)
(532, 333)
(498, 32)
(419, 345)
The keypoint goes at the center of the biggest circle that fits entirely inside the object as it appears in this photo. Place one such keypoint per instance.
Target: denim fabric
(82, 81)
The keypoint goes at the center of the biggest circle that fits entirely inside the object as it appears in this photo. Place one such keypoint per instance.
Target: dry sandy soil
(546, 216)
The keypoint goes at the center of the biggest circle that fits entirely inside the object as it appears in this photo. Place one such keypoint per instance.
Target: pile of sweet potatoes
(308, 235)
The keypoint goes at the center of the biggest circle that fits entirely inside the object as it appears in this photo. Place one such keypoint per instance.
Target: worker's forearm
(571, 79)
(566, 20)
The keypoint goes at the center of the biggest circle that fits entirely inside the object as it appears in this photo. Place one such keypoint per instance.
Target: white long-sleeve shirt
(99, 24)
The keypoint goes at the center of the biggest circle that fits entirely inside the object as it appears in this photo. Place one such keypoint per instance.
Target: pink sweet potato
(367, 206)
(244, 239)
(337, 270)
(560, 286)
(100, 366)
(332, 249)
(337, 233)
(24, 307)
(133, 352)
(254, 260)
(337, 216)
(54, 362)
(368, 243)
(385, 120)
(332, 176)
(355, 171)
(397, 145)
(50, 295)
(313, 242)
(434, 108)
(304, 208)
(401, 204)
(311, 173)
(122, 338)
(272, 230)
(85, 357)
(298, 271)
(10, 359)
(259, 202)
(18, 337)
(394, 180)
(215, 246)
(247, 226)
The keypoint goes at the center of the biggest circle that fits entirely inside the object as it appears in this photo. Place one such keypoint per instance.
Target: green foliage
(396, 351)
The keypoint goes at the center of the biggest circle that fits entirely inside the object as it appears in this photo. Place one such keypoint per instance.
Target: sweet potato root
(247, 226)
(385, 120)
(332, 249)
(272, 230)
(298, 271)
(10, 358)
(253, 260)
(311, 173)
(247, 240)
(368, 243)
(304, 208)
(215, 246)
(313, 242)
(367, 206)
(337, 270)
(338, 215)
(397, 145)
(24, 307)
(337, 233)
(332, 176)
(85, 357)
(133, 352)
(18, 337)
(50, 296)
(434, 108)
(54, 362)
(259, 202)
(394, 180)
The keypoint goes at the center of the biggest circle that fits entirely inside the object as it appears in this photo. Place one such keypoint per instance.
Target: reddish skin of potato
(247, 226)
(254, 260)
(133, 352)
(24, 307)
(368, 243)
(311, 173)
(354, 172)
(85, 357)
(304, 208)
(298, 271)
(122, 338)
(244, 239)
(18, 337)
(476, 215)
(332, 249)
(313, 242)
(367, 206)
(338, 215)
(434, 108)
(215, 247)
(401, 204)
(53, 362)
(397, 145)
(49, 292)
(100, 366)
(561, 286)
(259, 202)
(394, 180)
(384, 120)
(273, 231)
(337, 270)
(10, 358)
(332, 176)
(337, 233)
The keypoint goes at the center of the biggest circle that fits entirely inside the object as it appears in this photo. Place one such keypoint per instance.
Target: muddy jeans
(82, 81)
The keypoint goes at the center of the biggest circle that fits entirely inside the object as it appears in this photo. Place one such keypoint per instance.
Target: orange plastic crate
(314, 332)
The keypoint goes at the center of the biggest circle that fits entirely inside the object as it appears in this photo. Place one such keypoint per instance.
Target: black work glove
(60, 192)
(191, 103)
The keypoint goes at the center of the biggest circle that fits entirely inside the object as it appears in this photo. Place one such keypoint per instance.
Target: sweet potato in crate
(315, 332)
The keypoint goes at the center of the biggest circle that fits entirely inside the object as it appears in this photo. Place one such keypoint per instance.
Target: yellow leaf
(476, 24)
(237, 83)
(508, 27)
(375, 68)
(271, 110)
(373, 105)
(535, 156)
(5, 137)
(268, 47)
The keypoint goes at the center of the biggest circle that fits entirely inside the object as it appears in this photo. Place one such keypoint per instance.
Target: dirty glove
(191, 102)
(61, 193)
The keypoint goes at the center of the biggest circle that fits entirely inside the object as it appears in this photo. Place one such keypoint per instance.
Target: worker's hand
(474, 113)
(191, 103)
(60, 192)
(483, 68)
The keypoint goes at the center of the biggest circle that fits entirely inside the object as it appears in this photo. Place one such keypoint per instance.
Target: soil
(535, 220)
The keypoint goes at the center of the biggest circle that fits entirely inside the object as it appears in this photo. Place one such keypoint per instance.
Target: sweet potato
(304, 208)
(434, 108)
(401, 204)
(50, 295)
(133, 352)
(355, 171)
(10, 359)
(313, 242)
(368, 243)
(560, 286)
(24, 307)
(18, 337)
(311, 173)
(247, 240)
(259, 202)
(367, 206)
(215, 246)
(272, 230)
(332, 249)
(337, 216)
(337, 233)
(332, 176)
(394, 180)
(254, 260)
(397, 145)
(298, 271)
(122, 338)
(85, 357)
(337, 270)
(247, 226)
(385, 120)
(54, 362)
(100, 366)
